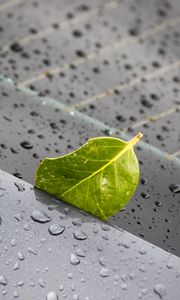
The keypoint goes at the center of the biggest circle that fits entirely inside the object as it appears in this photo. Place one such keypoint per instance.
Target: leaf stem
(136, 139)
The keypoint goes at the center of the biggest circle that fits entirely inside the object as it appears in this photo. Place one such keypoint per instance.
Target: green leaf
(100, 177)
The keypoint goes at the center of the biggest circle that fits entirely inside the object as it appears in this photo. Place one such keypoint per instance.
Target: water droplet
(16, 47)
(73, 287)
(40, 216)
(77, 222)
(124, 286)
(124, 277)
(56, 229)
(3, 280)
(13, 242)
(74, 259)
(70, 276)
(158, 203)
(95, 230)
(20, 186)
(16, 266)
(142, 251)
(1, 193)
(124, 244)
(80, 252)
(143, 181)
(18, 217)
(160, 290)
(132, 276)
(20, 256)
(103, 261)
(52, 207)
(142, 269)
(61, 288)
(20, 283)
(170, 265)
(80, 235)
(43, 240)
(32, 251)
(100, 248)
(51, 296)
(67, 210)
(105, 227)
(105, 237)
(144, 291)
(178, 274)
(15, 294)
(4, 292)
(174, 188)
(41, 282)
(104, 272)
(26, 145)
(145, 195)
(26, 227)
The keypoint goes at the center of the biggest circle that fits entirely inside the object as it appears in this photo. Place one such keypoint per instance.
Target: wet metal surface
(102, 68)
(82, 56)
(87, 260)
(36, 127)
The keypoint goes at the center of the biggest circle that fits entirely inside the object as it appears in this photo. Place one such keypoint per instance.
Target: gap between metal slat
(89, 120)
(107, 49)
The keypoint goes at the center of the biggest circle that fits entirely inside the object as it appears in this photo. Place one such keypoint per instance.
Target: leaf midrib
(129, 145)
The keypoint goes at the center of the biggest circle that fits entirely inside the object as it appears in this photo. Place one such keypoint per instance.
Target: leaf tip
(139, 135)
(136, 139)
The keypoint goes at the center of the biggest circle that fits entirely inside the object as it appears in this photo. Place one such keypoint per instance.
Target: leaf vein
(126, 148)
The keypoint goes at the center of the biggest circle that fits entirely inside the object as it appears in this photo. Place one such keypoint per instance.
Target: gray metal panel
(107, 264)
